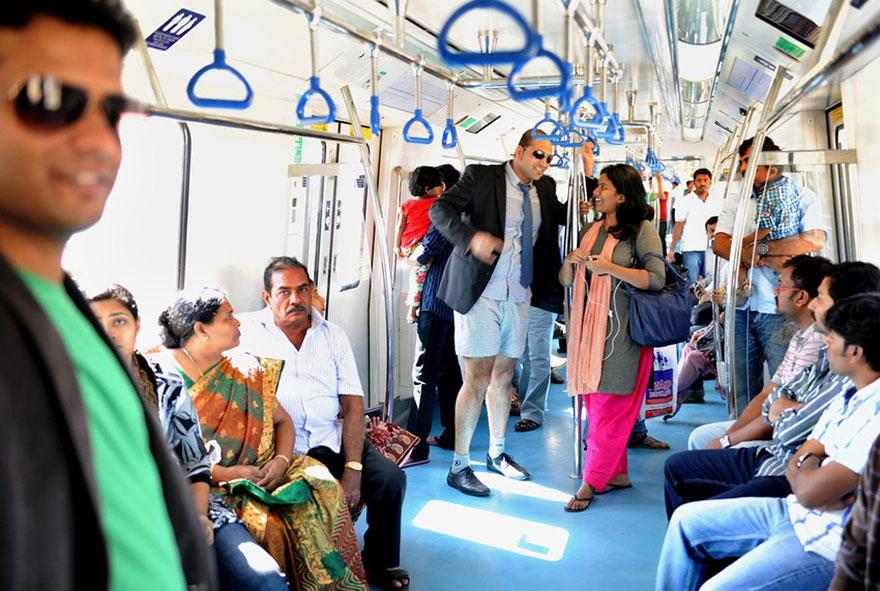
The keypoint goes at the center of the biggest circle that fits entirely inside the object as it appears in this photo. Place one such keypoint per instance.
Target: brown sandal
(577, 499)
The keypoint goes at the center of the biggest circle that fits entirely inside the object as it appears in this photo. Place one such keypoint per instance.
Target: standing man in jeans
(496, 217)
(691, 213)
(758, 326)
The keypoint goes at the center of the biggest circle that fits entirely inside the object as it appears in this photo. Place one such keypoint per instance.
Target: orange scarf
(589, 323)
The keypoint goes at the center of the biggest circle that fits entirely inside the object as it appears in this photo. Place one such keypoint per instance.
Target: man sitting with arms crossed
(792, 408)
(318, 383)
(791, 543)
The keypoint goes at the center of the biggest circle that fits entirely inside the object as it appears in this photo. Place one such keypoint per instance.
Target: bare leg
(498, 398)
(478, 371)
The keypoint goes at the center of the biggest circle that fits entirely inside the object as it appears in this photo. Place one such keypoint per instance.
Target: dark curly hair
(108, 15)
(634, 210)
(423, 179)
(857, 320)
(178, 321)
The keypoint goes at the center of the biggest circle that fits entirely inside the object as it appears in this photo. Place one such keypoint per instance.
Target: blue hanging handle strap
(418, 118)
(591, 137)
(599, 116)
(467, 58)
(556, 128)
(375, 118)
(315, 82)
(560, 90)
(220, 64)
(450, 135)
(609, 132)
(568, 138)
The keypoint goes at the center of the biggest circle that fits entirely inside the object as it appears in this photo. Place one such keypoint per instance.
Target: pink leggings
(610, 420)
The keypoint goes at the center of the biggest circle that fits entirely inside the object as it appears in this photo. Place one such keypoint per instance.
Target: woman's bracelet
(283, 457)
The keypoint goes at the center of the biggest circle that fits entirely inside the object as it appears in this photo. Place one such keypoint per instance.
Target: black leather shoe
(468, 483)
(507, 467)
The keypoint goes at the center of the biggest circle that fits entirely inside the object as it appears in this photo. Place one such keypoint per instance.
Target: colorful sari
(305, 523)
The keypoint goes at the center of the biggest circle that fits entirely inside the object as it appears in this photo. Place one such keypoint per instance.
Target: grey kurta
(622, 354)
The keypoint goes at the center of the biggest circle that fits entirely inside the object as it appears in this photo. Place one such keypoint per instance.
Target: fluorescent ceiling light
(698, 62)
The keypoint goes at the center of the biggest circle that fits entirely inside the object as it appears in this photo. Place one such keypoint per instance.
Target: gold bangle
(356, 466)
(283, 457)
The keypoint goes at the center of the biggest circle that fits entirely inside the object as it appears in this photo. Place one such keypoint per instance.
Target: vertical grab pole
(183, 216)
(572, 231)
(739, 230)
(384, 257)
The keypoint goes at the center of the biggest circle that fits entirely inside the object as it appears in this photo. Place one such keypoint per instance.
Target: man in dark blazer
(91, 497)
(499, 219)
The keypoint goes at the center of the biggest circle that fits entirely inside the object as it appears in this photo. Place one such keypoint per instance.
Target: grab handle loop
(597, 121)
(568, 138)
(315, 82)
(609, 132)
(450, 135)
(220, 64)
(560, 90)
(417, 118)
(556, 128)
(375, 118)
(468, 58)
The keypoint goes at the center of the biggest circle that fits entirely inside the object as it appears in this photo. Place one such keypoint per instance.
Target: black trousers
(437, 377)
(663, 229)
(383, 486)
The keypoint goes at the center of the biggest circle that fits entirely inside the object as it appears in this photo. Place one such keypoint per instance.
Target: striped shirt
(815, 387)
(436, 252)
(802, 352)
(858, 560)
(313, 377)
(847, 430)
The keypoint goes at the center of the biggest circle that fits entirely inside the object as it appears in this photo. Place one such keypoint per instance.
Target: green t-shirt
(142, 548)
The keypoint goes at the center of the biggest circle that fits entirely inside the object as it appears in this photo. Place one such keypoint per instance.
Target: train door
(842, 187)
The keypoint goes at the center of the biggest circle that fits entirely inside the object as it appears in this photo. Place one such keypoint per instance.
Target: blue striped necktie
(525, 278)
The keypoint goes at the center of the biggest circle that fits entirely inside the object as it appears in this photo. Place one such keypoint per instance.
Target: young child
(425, 185)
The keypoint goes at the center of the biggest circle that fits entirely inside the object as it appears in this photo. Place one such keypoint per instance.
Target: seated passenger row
(256, 399)
(777, 495)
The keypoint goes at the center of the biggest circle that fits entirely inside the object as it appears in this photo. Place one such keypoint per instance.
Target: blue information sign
(183, 21)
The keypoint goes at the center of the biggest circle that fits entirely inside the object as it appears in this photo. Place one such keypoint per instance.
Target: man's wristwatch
(725, 441)
(356, 466)
(762, 249)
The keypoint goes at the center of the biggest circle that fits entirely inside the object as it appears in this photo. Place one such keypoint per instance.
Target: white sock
(496, 447)
(459, 463)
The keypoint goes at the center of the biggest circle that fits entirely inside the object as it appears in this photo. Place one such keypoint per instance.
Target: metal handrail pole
(570, 239)
(739, 228)
(384, 256)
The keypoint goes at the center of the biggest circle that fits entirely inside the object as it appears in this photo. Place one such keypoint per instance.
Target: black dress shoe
(507, 467)
(468, 483)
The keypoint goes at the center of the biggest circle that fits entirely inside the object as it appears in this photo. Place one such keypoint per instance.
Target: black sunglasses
(46, 103)
(541, 155)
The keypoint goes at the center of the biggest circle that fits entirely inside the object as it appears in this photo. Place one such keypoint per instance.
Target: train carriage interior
(294, 128)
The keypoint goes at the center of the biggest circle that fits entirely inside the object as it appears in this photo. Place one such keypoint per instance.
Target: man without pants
(495, 217)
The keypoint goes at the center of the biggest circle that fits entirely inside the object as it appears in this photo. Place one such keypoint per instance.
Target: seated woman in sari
(291, 504)
(242, 564)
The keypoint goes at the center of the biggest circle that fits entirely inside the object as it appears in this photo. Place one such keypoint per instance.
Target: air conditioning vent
(749, 79)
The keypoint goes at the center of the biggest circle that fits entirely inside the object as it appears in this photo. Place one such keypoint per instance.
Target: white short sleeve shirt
(694, 212)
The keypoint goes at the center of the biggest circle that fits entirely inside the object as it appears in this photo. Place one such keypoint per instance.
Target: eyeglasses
(48, 104)
(541, 155)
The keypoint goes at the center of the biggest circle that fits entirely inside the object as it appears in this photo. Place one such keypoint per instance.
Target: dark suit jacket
(49, 512)
(479, 202)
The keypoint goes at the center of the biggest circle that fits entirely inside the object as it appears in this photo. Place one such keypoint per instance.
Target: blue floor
(520, 537)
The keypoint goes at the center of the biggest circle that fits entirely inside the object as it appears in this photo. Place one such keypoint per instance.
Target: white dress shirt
(313, 377)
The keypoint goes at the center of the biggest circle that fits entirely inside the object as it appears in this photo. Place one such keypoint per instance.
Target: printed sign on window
(183, 21)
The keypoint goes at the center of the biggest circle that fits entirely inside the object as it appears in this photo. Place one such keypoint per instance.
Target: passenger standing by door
(91, 497)
(691, 213)
(510, 210)
(607, 370)
(758, 335)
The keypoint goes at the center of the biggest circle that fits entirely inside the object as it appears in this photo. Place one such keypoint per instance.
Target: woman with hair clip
(290, 504)
(606, 369)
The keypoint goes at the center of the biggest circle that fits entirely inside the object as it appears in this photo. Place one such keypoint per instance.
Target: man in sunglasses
(91, 497)
(503, 222)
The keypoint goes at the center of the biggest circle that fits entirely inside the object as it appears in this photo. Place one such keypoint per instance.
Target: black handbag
(660, 318)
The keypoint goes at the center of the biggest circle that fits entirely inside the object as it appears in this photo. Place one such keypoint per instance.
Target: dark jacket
(49, 511)
(479, 202)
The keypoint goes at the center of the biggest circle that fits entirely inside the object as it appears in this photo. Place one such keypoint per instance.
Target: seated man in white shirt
(791, 543)
(318, 383)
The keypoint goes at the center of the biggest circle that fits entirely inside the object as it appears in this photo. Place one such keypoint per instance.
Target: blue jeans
(695, 262)
(533, 381)
(758, 530)
(242, 564)
(758, 339)
(718, 474)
